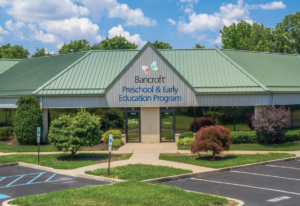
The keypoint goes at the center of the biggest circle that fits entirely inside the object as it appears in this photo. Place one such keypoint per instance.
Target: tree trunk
(214, 154)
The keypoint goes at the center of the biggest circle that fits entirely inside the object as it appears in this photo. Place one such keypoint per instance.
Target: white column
(45, 124)
(256, 110)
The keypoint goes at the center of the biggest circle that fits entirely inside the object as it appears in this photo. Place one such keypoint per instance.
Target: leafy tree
(28, 117)
(287, 35)
(212, 138)
(117, 42)
(69, 133)
(8, 51)
(269, 122)
(75, 46)
(161, 45)
(244, 36)
(40, 53)
(198, 46)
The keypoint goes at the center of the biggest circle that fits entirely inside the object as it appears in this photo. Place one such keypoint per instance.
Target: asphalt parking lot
(22, 181)
(275, 184)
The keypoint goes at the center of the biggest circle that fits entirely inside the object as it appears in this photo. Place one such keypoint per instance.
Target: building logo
(147, 69)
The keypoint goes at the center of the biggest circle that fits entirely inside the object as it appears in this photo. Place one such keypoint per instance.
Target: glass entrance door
(133, 129)
(167, 122)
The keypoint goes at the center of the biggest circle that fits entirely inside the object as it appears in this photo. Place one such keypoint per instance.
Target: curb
(104, 179)
(6, 203)
(49, 169)
(241, 203)
(226, 169)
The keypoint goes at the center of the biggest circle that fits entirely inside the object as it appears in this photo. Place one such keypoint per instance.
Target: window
(184, 118)
(204, 116)
(295, 116)
(56, 113)
(2, 117)
(224, 117)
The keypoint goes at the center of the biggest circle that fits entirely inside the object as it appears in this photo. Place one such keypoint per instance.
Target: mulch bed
(103, 146)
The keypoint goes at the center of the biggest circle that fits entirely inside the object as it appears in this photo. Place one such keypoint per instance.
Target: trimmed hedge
(117, 142)
(186, 135)
(116, 133)
(185, 141)
(252, 137)
(244, 137)
(6, 133)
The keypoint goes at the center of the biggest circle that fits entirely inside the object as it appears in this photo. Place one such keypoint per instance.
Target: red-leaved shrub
(269, 122)
(212, 138)
(201, 122)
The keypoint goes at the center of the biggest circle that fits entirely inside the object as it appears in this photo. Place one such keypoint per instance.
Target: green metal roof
(7, 63)
(279, 72)
(92, 75)
(29, 74)
(208, 71)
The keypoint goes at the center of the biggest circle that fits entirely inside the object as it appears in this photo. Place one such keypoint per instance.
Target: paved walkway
(145, 154)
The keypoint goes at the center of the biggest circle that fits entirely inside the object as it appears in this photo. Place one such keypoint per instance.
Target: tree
(269, 122)
(117, 42)
(287, 35)
(75, 46)
(28, 117)
(13, 52)
(70, 133)
(40, 53)
(198, 46)
(244, 36)
(212, 138)
(161, 45)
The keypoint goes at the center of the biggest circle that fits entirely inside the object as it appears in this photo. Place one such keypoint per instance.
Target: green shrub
(186, 135)
(291, 136)
(6, 133)
(117, 143)
(70, 133)
(28, 117)
(185, 141)
(122, 131)
(116, 133)
(244, 137)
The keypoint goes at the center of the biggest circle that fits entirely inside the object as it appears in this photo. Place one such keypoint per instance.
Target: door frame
(126, 124)
(174, 123)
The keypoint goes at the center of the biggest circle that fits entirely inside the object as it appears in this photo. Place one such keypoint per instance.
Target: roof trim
(261, 52)
(61, 73)
(137, 56)
(243, 70)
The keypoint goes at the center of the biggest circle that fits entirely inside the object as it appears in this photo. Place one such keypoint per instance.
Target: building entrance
(133, 126)
(167, 125)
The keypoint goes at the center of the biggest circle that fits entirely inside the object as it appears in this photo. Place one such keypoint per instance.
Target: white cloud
(200, 22)
(38, 11)
(15, 28)
(2, 31)
(218, 40)
(72, 29)
(4, 3)
(132, 17)
(273, 5)
(117, 31)
(171, 21)
(1, 39)
(40, 36)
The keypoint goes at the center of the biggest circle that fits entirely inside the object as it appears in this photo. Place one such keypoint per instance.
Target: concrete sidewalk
(146, 154)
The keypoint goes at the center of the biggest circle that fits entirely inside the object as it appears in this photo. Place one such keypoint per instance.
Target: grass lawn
(62, 161)
(138, 172)
(291, 146)
(125, 193)
(223, 161)
(24, 148)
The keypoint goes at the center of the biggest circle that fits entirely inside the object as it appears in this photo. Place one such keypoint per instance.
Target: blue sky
(182, 23)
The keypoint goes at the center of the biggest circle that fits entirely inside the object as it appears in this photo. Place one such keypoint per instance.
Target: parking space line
(14, 181)
(35, 178)
(261, 188)
(294, 168)
(265, 175)
(22, 174)
(50, 178)
(2, 179)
